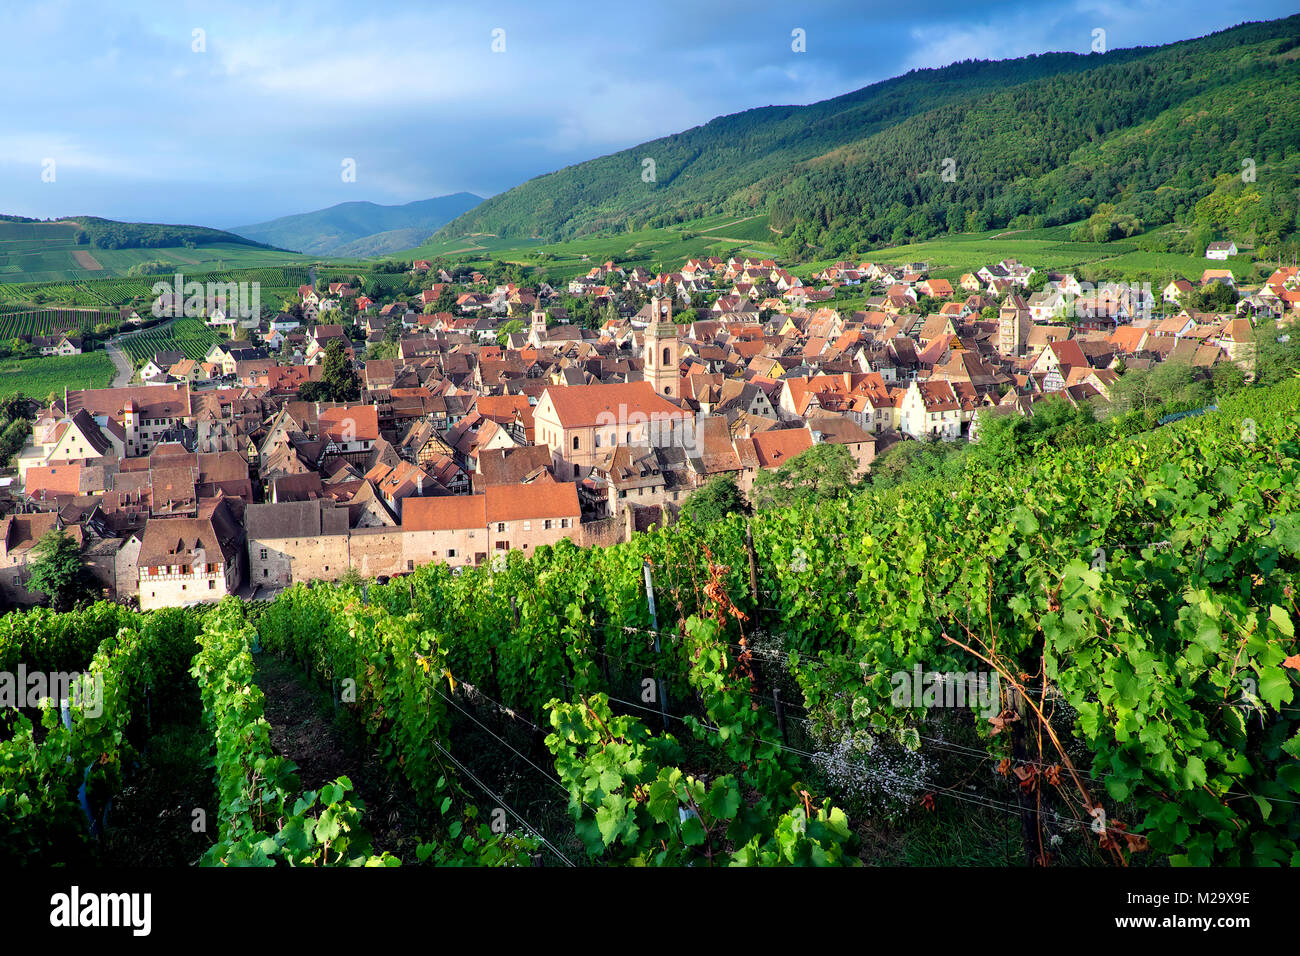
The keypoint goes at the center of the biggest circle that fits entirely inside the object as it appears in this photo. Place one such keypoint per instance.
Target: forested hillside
(1127, 140)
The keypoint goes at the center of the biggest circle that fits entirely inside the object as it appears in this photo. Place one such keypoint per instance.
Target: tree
(907, 461)
(446, 300)
(822, 473)
(507, 329)
(718, 498)
(57, 570)
(1277, 356)
(12, 439)
(338, 382)
(1214, 297)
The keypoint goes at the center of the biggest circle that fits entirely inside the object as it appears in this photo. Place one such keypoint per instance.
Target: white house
(931, 410)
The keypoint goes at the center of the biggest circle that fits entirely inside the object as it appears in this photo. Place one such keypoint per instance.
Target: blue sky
(257, 124)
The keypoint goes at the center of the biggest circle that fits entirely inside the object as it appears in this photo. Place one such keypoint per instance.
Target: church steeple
(662, 349)
(537, 334)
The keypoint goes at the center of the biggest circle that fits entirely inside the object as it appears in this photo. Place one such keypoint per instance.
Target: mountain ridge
(357, 227)
(864, 167)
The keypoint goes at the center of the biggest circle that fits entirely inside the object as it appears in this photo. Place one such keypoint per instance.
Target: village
(496, 423)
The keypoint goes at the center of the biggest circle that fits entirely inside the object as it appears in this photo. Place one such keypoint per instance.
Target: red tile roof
(354, 423)
(586, 405)
(446, 513)
(775, 448)
(534, 500)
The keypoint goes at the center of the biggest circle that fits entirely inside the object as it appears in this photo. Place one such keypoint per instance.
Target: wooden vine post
(777, 704)
(1028, 805)
(654, 626)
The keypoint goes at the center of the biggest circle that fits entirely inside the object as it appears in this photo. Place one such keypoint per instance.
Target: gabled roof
(147, 401)
(176, 541)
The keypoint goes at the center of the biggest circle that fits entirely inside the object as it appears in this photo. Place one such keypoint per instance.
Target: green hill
(85, 247)
(1043, 140)
(361, 228)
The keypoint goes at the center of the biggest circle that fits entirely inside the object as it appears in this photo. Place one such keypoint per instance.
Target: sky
(232, 113)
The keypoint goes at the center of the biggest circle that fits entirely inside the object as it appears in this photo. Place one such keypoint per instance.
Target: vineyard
(53, 321)
(191, 336)
(88, 293)
(276, 282)
(748, 692)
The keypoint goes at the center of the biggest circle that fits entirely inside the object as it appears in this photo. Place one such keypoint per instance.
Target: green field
(41, 377)
(48, 252)
(664, 249)
(277, 282)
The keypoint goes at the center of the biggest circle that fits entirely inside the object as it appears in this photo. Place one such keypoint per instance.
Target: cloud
(256, 125)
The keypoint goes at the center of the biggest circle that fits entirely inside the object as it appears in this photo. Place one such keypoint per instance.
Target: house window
(212, 585)
(410, 565)
(548, 524)
(575, 442)
(564, 522)
(528, 526)
(501, 526)
(451, 552)
(263, 554)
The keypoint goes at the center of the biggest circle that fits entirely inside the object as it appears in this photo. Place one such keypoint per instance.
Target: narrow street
(122, 361)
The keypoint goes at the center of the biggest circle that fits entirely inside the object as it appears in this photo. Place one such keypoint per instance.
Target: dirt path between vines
(304, 729)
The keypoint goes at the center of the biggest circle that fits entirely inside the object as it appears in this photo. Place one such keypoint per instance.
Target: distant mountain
(1126, 139)
(360, 228)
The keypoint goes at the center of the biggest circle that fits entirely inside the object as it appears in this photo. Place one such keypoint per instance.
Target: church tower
(662, 349)
(537, 334)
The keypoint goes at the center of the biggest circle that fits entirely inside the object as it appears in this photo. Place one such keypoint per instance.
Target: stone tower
(662, 349)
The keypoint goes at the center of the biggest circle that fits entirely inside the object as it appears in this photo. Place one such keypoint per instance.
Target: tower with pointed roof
(537, 332)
